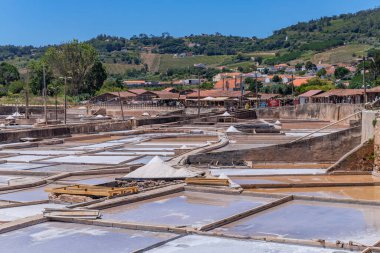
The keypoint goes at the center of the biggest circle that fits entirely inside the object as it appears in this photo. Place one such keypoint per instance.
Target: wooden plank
(208, 181)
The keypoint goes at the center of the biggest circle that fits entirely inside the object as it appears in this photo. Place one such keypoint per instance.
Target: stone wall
(328, 148)
(62, 131)
(328, 112)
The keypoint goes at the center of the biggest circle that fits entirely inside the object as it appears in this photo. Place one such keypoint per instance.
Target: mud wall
(328, 148)
(329, 112)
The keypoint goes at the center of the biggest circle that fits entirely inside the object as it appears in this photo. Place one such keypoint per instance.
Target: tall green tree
(74, 59)
(94, 79)
(8, 73)
(36, 81)
(341, 72)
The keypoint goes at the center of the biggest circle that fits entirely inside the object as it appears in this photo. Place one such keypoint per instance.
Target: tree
(207, 86)
(36, 80)
(94, 79)
(16, 87)
(276, 79)
(299, 66)
(341, 72)
(310, 66)
(316, 83)
(54, 89)
(73, 59)
(8, 73)
(321, 72)
(252, 84)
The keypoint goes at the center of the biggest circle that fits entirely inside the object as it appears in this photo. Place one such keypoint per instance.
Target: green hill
(328, 39)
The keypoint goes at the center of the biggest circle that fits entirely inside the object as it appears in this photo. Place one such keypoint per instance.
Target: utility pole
(65, 94)
(199, 96)
(45, 93)
(241, 90)
(256, 90)
(27, 98)
(65, 109)
(365, 86)
(121, 106)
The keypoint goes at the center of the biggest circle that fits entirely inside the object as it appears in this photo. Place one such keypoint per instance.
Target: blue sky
(41, 22)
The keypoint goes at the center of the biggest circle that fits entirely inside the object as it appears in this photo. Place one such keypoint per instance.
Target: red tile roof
(217, 93)
(340, 93)
(123, 94)
(310, 93)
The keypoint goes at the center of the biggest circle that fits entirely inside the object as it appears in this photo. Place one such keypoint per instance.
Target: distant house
(299, 80)
(189, 81)
(351, 96)
(305, 98)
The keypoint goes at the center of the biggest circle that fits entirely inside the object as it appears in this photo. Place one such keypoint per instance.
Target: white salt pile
(232, 183)
(232, 129)
(184, 147)
(278, 122)
(9, 117)
(145, 114)
(226, 114)
(99, 116)
(16, 114)
(156, 168)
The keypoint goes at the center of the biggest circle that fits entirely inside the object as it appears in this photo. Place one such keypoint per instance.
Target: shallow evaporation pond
(146, 159)
(207, 244)
(114, 160)
(304, 179)
(257, 172)
(96, 146)
(14, 213)
(183, 209)
(371, 193)
(16, 179)
(61, 237)
(144, 149)
(163, 144)
(92, 180)
(137, 153)
(33, 194)
(25, 158)
(20, 166)
(66, 168)
(312, 220)
(42, 152)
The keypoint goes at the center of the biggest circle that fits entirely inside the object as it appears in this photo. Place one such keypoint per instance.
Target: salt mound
(277, 122)
(232, 183)
(226, 114)
(132, 118)
(156, 168)
(16, 114)
(184, 147)
(232, 129)
(99, 116)
(145, 114)
(9, 117)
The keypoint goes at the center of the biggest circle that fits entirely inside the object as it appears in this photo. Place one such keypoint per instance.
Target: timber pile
(91, 190)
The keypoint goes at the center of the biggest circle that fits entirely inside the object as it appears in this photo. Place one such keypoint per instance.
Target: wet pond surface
(188, 208)
(206, 244)
(313, 220)
(60, 237)
(371, 193)
(307, 179)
